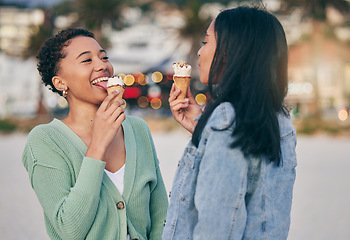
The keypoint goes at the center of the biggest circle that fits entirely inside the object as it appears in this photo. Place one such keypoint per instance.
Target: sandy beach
(321, 196)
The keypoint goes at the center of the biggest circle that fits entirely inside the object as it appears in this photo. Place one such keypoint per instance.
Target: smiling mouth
(101, 79)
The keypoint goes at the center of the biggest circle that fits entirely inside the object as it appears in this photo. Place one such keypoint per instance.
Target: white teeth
(100, 80)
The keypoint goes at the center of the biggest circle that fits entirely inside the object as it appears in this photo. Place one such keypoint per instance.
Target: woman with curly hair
(96, 172)
(235, 179)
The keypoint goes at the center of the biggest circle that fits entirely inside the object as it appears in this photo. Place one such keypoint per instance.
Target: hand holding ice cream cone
(182, 77)
(182, 104)
(116, 83)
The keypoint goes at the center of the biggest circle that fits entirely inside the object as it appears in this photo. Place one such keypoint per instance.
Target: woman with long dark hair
(235, 179)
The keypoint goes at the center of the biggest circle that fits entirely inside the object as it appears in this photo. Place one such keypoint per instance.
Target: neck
(81, 118)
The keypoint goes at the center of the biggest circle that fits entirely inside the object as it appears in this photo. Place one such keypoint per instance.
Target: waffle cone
(182, 83)
(119, 88)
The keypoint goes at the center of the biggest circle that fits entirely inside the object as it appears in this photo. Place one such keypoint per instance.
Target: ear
(59, 83)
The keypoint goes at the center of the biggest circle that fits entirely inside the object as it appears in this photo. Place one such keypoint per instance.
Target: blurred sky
(33, 3)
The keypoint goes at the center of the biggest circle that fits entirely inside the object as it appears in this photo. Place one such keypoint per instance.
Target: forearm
(95, 152)
(71, 209)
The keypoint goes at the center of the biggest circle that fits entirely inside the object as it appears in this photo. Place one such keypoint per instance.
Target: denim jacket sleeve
(221, 188)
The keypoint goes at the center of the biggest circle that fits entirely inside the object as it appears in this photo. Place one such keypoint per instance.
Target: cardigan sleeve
(70, 207)
(158, 207)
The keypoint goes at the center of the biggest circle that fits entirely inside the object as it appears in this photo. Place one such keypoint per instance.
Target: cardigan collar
(130, 161)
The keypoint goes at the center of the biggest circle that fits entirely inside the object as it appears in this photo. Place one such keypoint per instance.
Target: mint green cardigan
(78, 198)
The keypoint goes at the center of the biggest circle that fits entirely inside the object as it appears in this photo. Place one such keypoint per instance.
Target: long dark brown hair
(251, 62)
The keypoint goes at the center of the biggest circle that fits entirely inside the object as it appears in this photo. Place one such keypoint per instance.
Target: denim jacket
(220, 194)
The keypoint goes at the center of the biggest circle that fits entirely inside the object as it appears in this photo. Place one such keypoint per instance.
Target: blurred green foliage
(6, 126)
(312, 126)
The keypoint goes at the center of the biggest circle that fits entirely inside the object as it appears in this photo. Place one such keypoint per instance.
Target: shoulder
(43, 132)
(285, 125)
(50, 135)
(222, 117)
(40, 139)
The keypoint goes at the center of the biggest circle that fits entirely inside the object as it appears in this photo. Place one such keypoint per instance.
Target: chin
(205, 81)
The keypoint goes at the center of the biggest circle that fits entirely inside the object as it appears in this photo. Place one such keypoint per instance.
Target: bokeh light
(122, 75)
(62, 103)
(157, 77)
(139, 77)
(144, 80)
(201, 99)
(124, 104)
(142, 101)
(343, 114)
(129, 80)
(154, 91)
(170, 75)
(156, 103)
(300, 88)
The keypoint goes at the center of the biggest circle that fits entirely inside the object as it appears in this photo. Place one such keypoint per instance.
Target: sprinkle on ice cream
(182, 69)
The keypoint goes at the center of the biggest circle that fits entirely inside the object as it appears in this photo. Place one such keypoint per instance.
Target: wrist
(194, 124)
(96, 152)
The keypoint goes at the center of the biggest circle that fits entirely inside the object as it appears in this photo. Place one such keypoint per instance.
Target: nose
(199, 52)
(101, 65)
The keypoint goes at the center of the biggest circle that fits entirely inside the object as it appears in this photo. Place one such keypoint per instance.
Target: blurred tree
(316, 10)
(36, 39)
(95, 13)
(194, 28)
(38, 35)
(195, 24)
(64, 8)
(184, 2)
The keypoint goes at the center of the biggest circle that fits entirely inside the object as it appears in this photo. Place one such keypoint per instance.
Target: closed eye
(87, 60)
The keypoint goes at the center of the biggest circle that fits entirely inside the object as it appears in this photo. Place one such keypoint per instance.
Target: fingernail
(116, 91)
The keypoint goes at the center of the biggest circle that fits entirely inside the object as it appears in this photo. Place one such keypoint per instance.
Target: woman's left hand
(184, 110)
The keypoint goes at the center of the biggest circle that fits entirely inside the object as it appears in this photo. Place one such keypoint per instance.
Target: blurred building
(16, 25)
(146, 51)
(151, 43)
(319, 65)
(330, 67)
(19, 80)
(19, 86)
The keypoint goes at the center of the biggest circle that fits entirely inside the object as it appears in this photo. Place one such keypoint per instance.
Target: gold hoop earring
(64, 93)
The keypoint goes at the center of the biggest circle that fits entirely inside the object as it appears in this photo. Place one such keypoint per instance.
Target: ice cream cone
(182, 77)
(116, 83)
(182, 83)
(116, 87)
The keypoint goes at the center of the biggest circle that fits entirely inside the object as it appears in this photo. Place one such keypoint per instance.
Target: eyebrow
(86, 52)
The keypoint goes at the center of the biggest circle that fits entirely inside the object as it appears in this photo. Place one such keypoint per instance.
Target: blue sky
(33, 3)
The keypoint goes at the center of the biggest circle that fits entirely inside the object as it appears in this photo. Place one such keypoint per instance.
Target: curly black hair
(51, 54)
